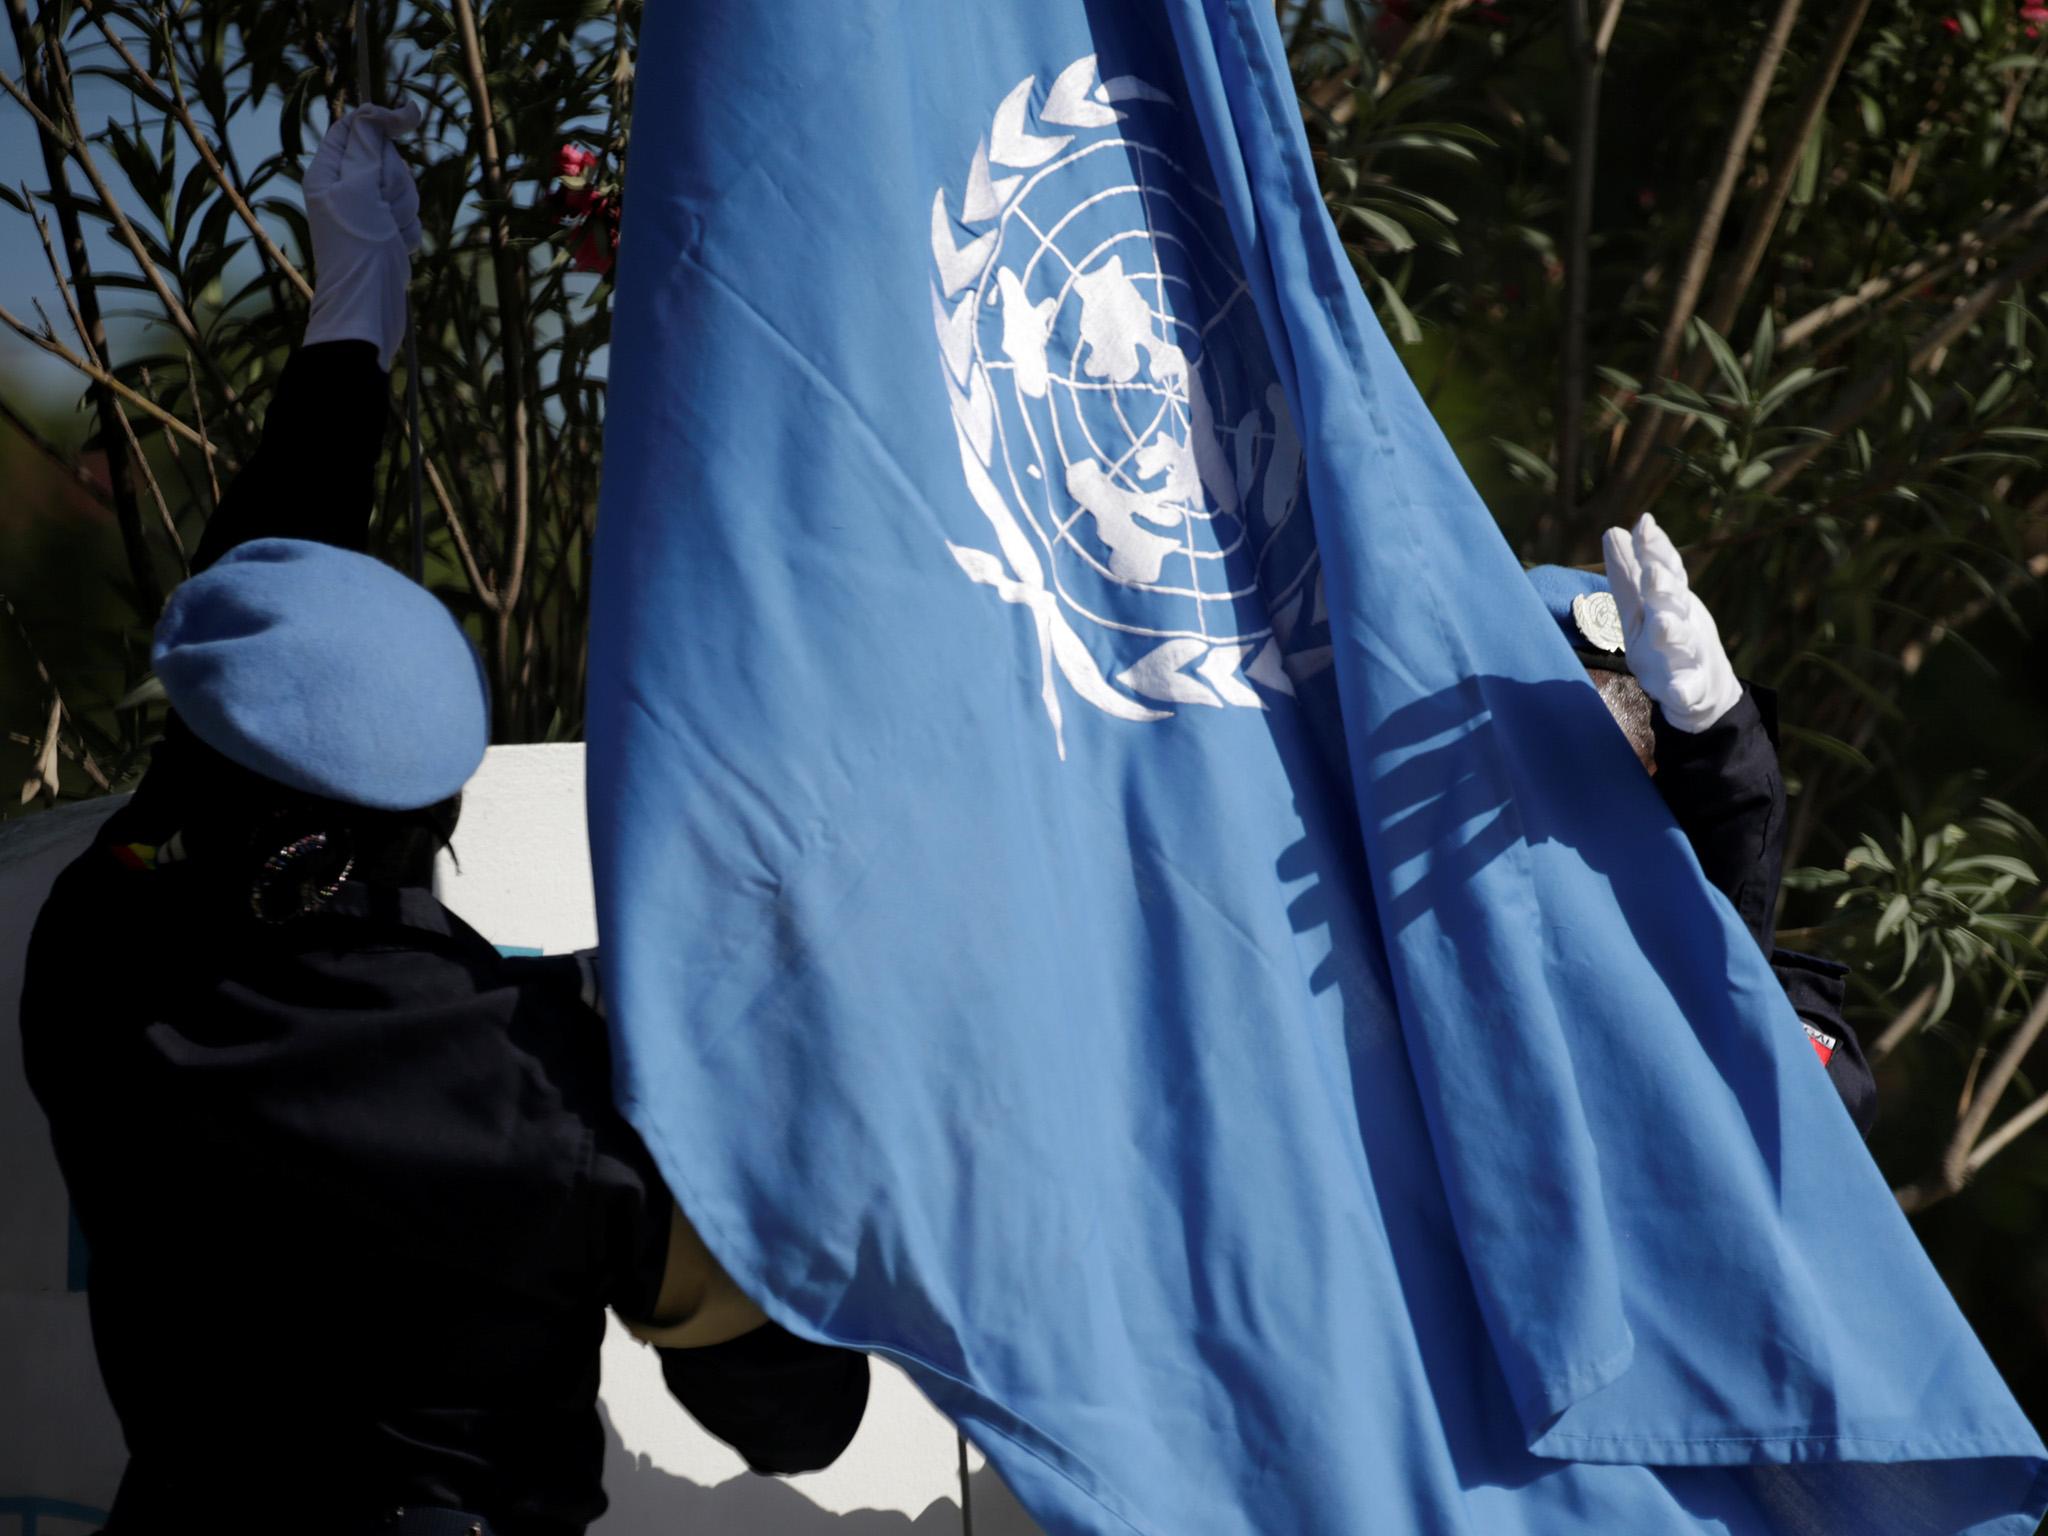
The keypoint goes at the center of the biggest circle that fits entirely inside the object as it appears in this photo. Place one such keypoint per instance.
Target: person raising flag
(354, 1190)
(1709, 740)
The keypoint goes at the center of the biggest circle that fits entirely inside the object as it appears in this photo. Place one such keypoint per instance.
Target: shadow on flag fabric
(1115, 893)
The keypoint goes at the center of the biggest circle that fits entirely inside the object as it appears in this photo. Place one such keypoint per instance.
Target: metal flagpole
(365, 91)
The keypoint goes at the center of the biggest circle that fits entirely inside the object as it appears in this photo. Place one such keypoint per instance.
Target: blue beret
(325, 671)
(1582, 603)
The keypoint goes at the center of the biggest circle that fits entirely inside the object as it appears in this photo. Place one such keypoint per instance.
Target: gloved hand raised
(364, 212)
(1673, 646)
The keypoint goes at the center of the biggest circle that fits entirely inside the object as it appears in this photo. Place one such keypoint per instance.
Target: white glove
(1673, 646)
(365, 216)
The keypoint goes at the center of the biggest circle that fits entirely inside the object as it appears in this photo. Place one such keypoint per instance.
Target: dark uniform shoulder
(320, 1144)
(1817, 988)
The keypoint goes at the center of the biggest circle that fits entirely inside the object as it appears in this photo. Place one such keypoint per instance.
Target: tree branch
(1719, 315)
(57, 456)
(1903, 1023)
(78, 326)
(44, 774)
(1699, 254)
(199, 415)
(508, 266)
(1864, 394)
(1589, 56)
(2007, 1133)
(1956, 1165)
(172, 102)
(1763, 218)
(1416, 48)
(1914, 653)
(120, 484)
(104, 379)
(1936, 262)
(73, 139)
(464, 550)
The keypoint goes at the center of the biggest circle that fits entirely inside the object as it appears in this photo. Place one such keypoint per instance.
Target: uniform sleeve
(784, 1403)
(313, 475)
(1724, 787)
(1816, 988)
(697, 1303)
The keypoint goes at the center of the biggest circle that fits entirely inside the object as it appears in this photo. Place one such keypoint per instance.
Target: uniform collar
(405, 906)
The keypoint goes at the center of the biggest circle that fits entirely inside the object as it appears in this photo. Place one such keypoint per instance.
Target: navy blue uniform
(1724, 787)
(354, 1190)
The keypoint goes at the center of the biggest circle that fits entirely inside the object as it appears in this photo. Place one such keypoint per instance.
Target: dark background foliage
(1770, 269)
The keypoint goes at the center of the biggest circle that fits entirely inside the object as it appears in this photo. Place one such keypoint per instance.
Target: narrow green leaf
(1725, 361)
(1945, 992)
(1763, 350)
(148, 691)
(1806, 180)
(1405, 324)
(1799, 378)
(1831, 746)
(1430, 145)
(1387, 229)
(2005, 864)
(1862, 686)
(1994, 395)
(1525, 465)
(198, 183)
(1893, 916)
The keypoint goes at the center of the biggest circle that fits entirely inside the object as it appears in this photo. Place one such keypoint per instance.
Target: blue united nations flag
(1116, 408)
(1115, 893)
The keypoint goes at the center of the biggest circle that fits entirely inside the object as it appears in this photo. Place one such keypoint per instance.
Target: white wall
(523, 881)
(60, 1448)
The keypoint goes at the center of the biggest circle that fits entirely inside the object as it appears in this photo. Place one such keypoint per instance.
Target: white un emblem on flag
(1119, 421)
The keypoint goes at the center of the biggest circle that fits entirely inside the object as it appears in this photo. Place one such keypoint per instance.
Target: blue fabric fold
(1115, 892)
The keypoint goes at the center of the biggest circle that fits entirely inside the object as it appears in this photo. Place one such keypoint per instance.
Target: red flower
(1950, 25)
(574, 168)
(597, 238)
(592, 214)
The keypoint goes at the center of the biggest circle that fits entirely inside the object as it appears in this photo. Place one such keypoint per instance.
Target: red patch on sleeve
(1823, 1045)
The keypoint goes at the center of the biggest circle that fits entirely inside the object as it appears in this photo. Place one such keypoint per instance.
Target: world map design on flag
(1119, 420)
